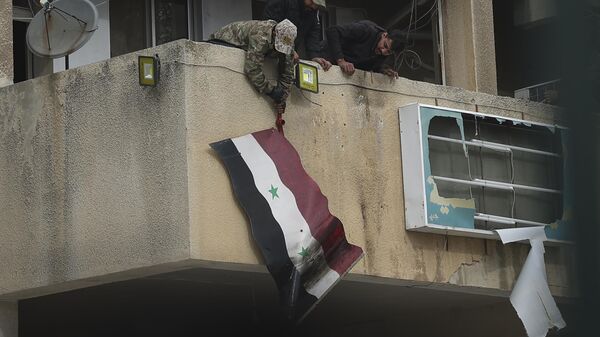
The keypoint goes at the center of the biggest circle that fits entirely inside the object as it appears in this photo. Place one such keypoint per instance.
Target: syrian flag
(304, 246)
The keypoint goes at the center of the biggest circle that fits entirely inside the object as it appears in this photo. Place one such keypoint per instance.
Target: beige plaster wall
(6, 43)
(350, 145)
(469, 51)
(102, 180)
(93, 175)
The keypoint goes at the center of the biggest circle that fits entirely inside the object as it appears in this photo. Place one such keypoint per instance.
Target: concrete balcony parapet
(103, 180)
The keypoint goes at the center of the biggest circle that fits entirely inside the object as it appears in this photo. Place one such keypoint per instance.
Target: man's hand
(347, 67)
(280, 108)
(391, 73)
(296, 57)
(323, 62)
(278, 95)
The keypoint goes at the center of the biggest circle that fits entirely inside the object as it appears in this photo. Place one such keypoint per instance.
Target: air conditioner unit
(544, 92)
(469, 173)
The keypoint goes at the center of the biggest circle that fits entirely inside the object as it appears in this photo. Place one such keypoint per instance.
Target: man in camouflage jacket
(260, 39)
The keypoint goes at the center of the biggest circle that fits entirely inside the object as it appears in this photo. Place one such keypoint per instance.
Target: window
(525, 34)
(129, 27)
(136, 25)
(417, 20)
(170, 20)
(468, 173)
(26, 65)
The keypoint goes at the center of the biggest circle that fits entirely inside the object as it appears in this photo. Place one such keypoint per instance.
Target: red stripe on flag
(313, 205)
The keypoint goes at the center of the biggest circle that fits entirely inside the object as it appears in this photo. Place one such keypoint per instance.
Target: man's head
(285, 35)
(389, 43)
(314, 4)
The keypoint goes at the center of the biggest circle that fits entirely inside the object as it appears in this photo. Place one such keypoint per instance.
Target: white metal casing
(413, 172)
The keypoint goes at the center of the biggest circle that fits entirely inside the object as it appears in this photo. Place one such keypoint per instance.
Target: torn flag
(303, 244)
(531, 296)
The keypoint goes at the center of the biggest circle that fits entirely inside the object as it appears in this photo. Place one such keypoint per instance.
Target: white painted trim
(413, 174)
(481, 114)
(412, 166)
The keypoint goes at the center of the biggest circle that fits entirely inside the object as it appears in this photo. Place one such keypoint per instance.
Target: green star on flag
(304, 252)
(260, 166)
(273, 192)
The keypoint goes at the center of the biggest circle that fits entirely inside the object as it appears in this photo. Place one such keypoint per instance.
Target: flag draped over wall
(304, 246)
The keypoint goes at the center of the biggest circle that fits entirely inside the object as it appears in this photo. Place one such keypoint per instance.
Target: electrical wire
(30, 8)
(308, 99)
(412, 12)
(427, 22)
(428, 11)
(237, 72)
(400, 58)
(410, 24)
(412, 56)
(477, 132)
(397, 92)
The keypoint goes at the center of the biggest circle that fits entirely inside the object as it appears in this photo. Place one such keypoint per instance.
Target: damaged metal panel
(453, 212)
(484, 173)
(559, 229)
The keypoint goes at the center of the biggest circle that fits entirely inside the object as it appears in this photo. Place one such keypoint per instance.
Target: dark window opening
(416, 19)
(23, 3)
(171, 19)
(527, 50)
(128, 27)
(258, 6)
(20, 54)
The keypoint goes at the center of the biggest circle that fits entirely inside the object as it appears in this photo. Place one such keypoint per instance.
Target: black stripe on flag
(267, 232)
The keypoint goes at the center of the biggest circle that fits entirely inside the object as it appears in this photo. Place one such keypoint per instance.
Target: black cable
(47, 33)
(308, 99)
(429, 10)
(423, 16)
(410, 21)
(427, 22)
(71, 15)
(30, 8)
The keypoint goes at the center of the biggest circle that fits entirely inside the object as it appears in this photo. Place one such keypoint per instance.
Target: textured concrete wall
(351, 146)
(9, 323)
(468, 45)
(101, 179)
(93, 176)
(6, 43)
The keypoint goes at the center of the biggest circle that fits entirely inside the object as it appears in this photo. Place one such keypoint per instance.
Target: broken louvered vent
(468, 173)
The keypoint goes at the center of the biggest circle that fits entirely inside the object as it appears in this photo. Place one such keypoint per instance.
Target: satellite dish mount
(61, 27)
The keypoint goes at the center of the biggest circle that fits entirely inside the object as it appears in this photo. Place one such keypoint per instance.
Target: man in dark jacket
(361, 45)
(304, 14)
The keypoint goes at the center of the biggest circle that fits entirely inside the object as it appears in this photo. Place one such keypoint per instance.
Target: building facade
(118, 219)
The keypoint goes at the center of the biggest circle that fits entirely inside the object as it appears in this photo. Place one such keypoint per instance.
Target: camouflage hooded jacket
(256, 38)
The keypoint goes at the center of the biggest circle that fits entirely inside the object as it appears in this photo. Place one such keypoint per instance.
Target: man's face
(310, 4)
(384, 46)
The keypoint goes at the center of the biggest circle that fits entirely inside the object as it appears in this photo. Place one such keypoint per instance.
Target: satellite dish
(61, 27)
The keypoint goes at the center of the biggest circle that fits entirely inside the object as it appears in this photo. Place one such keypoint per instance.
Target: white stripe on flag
(285, 211)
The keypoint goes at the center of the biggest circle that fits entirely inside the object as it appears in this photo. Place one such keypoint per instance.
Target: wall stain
(500, 254)
(420, 266)
(369, 244)
(439, 259)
